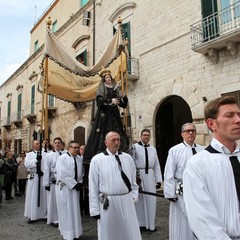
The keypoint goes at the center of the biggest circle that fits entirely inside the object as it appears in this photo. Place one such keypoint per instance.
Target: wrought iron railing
(216, 25)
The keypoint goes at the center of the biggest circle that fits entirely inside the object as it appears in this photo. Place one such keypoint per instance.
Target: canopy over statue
(72, 81)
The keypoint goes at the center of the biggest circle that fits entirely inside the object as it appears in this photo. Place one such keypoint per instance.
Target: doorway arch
(79, 135)
(172, 113)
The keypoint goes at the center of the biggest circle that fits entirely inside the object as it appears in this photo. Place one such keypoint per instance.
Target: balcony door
(229, 18)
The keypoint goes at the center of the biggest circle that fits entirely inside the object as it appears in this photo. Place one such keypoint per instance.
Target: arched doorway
(171, 115)
(79, 135)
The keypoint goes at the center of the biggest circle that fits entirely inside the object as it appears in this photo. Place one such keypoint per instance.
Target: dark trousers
(8, 188)
(22, 185)
(0, 193)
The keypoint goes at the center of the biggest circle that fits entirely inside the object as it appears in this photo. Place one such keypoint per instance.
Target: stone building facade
(182, 54)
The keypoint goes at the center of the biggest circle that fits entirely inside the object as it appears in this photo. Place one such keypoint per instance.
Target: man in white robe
(150, 175)
(69, 168)
(179, 228)
(49, 181)
(211, 192)
(32, 211)
(111, 199)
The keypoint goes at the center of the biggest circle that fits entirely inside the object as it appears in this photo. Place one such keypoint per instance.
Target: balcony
(6, 123)
(16, 119)
(51, 112)
(217, 31)
(133, 68)
(29, 113)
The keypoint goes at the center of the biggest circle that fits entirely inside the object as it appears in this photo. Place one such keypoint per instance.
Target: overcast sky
(17, 18)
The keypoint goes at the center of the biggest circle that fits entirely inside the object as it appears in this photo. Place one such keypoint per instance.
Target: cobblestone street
(15, 227)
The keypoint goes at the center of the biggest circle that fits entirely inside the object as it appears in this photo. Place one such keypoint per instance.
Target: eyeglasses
(74, 147)
(146, 135)
(189, 130)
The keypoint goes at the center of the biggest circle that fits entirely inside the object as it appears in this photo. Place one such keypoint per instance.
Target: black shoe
(9, 198)
(54, 224)
(17, 194)
(29, 221)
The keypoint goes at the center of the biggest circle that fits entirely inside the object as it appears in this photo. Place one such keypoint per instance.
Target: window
(210, 21)
(83, 2)
(32, 99)
(8, 112)
(54, 26)
(82, 57)
(51, 100)
(36, 47)
(19, 106)
(230, 10)
(219, 16)
(234, 94)
(126, 34)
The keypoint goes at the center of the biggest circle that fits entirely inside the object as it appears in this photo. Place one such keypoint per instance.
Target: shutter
(33, 99)
(210, 21)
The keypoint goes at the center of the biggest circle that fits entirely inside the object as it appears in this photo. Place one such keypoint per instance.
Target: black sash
(235, 166)
(75, 167)
(124, 176)
(146, 156)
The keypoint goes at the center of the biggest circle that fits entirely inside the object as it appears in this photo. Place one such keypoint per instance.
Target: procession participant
(149, 171)
(178, 156)
(2, 175)
(69, 168)
(112, 192)
(10, 174)
(32, 211)
(81, 150)
(84, 190)
(107, 118)
(22, 173)
(46, 146)
(49, 181)
(211, 178)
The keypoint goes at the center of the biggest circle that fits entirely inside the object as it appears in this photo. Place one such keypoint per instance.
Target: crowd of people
(13, 173)
(201, 183)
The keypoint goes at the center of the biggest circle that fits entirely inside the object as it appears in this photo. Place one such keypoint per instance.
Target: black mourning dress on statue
(106, 119)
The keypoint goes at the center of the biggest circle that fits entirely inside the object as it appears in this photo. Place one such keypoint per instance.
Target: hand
(173, 199)
(135, 200)
(158, 186)
(40, 173)
(115, 101)
(78, 186)
(47, 188)
(96, 217)
(39, 157)
(139, 181)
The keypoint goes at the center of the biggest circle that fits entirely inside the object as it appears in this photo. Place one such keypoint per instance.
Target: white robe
(147, 204)
(32, 211)
(49, 172)
(210, 194)
(119, 221)
(178, 156)
(70, 221)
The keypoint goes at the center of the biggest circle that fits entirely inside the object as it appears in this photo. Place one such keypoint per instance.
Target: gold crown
(104, 72)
